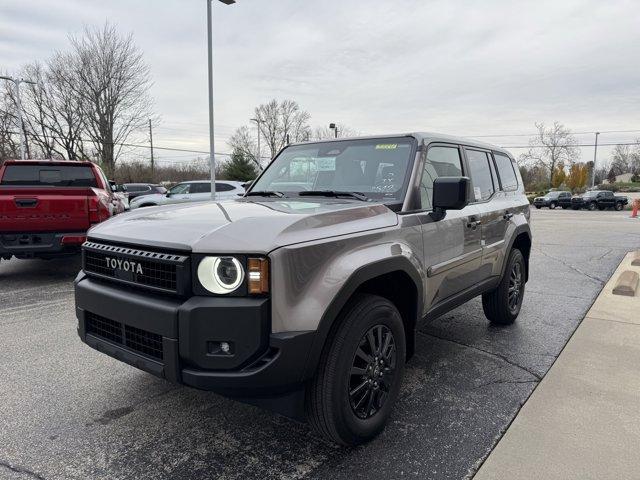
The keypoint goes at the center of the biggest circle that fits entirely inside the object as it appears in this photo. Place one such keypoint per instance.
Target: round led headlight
(220, 275)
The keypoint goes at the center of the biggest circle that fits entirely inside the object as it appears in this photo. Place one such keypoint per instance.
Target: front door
(452, 246)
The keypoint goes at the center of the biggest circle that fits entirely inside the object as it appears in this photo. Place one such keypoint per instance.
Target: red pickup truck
(46, 207)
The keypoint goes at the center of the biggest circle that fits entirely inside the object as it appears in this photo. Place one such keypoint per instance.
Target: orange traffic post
(636, 207)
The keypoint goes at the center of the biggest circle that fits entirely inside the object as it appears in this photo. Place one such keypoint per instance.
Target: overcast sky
(459, 67)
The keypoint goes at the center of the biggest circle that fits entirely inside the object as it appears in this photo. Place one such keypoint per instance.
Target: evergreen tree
(240, 167)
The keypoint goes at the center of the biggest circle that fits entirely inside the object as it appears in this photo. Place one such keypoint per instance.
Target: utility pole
(259, 159)
(151, 141)
(595, 156)
(23, 133)
(212, 149)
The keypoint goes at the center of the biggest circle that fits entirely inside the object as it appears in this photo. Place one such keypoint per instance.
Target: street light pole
(212, 149)
(334, 127)
(595, 156)
(23, 134)
(257, 120)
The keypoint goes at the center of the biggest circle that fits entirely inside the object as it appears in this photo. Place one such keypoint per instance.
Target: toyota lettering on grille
(124, 265)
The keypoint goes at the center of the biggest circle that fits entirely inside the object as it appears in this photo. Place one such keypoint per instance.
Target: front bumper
(178, 339)
(41, 245)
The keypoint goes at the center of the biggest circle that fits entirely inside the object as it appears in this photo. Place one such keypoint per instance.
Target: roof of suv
(427, 137)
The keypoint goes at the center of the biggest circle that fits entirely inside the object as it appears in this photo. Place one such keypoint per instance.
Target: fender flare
(520, 229)
(357, 278)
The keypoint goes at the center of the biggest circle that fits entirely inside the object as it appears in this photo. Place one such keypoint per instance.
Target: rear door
(607, 200)
(200, 192)
(490, 200)
(452, 247)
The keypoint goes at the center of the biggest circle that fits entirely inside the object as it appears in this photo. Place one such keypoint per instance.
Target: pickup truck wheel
(619, 206)
(502, 305)
(592, 206)
(552, 205)
(360, 372)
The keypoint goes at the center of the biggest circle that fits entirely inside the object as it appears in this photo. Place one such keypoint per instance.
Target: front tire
(502, 305)
(552, 205)
(591, 206)
(360, 372)
(538, 207)
(619, 207)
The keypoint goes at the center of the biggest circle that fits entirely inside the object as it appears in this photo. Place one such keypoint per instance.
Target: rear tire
(502, 305)
(360, 372)
(564, 207)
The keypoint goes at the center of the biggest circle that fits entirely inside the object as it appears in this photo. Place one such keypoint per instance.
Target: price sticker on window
(386, 146)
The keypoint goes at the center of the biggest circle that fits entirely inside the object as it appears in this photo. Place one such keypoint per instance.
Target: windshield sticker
(386, 146)
(326, 164)
(478, 193)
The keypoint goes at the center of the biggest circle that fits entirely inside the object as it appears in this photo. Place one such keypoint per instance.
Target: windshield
(377, 168)
(591, 194)
(552, 195)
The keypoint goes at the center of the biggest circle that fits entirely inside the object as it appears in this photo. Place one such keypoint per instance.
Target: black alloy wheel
(372, 371)
(516, 285)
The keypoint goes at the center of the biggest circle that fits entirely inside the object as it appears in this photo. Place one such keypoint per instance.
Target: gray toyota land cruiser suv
(304, 295)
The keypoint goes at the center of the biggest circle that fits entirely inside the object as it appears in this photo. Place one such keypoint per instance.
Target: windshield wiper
(266, 194)
(334, 193)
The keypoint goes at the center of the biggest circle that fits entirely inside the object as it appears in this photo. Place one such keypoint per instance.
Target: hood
(241, 226)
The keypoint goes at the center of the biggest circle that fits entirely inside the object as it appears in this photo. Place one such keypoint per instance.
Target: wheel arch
(521, 239)
(396, 279)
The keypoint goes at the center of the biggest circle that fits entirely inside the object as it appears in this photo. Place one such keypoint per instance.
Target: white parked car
(194, 191)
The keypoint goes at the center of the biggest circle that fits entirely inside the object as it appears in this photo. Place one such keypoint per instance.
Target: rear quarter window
(49, 176)
(507, 173)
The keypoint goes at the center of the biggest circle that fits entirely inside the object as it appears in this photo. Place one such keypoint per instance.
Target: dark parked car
(553, 200)
(138, 189)
(600, 199)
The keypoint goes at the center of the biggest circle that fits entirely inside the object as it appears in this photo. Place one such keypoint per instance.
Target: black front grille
(166, 272)
(140, 341)
(143, 341)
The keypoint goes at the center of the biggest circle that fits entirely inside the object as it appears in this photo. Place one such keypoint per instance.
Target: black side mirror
(449, 193)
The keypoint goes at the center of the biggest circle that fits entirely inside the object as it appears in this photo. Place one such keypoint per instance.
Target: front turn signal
(258, 270)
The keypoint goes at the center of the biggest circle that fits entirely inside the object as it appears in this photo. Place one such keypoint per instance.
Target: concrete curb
(583, 420)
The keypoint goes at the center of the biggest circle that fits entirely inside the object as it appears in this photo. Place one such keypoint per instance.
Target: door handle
(507, 216)
(26, 202)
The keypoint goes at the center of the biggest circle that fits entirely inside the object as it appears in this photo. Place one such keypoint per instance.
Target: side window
(441, 162)
(480, 173)
(508, 178)
(180, 189)
(200, 188)
(223, 187)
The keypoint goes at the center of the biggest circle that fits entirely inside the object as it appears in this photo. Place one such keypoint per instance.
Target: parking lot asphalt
(67, 411)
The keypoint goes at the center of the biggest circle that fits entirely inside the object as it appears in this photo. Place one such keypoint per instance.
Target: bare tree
(282, 122)
(244, 141)
(111, 81)
(325, 133)
(8, 130)
(551, 146)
